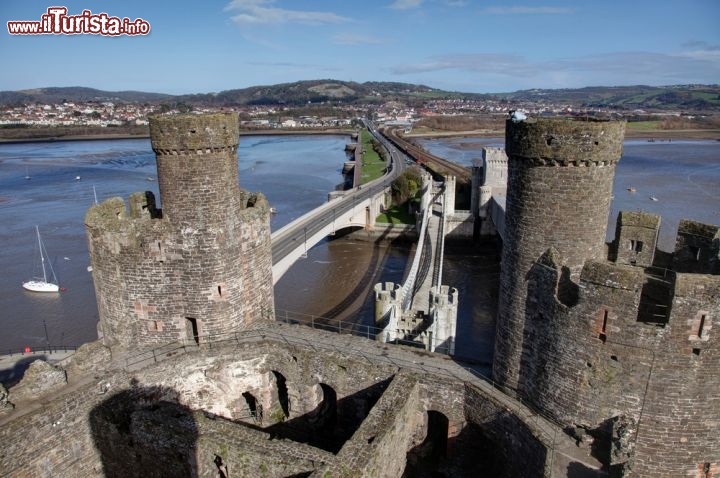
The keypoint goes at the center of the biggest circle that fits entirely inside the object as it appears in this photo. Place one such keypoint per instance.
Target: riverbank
(633, 131)
(50, 136)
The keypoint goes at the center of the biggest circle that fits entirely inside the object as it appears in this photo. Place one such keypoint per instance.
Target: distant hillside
(316, 91)
(628, 98)
(684, 97)
(55, 95)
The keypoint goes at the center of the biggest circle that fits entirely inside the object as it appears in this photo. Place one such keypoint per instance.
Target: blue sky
(461, 45)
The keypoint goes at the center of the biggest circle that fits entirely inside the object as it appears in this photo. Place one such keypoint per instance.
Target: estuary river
(295, 173)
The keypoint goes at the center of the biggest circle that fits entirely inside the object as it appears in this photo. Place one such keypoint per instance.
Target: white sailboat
(37, 285)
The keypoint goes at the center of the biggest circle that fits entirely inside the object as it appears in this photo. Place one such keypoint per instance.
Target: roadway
(297, 233)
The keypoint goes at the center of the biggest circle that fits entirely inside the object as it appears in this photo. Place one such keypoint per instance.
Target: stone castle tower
(199, 266)
(560, 178)
(616, 342)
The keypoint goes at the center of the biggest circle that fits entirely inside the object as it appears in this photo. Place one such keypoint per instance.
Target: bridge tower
(199, 266)
(560, 178)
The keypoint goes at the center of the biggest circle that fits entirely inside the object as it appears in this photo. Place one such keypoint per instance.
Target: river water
(683, 177)
(295, 173)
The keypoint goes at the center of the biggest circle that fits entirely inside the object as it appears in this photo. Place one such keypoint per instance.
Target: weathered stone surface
(89, 359)
(5, 405)
(623, 349)
(40, 379)
(188, 407)
(200, 266)
(560, 176)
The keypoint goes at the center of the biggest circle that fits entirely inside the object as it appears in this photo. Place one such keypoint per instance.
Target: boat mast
(42, 257)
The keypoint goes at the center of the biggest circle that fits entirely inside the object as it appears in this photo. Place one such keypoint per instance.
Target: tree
(407, 185)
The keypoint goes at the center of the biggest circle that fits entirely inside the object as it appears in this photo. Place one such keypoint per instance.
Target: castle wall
(175, 410)
(697, 248)
(200, 266)
(678, 430)
(522, 452)
(379, 447)
(591, 360)
(636, 236)
(595, 365)
(560, 176)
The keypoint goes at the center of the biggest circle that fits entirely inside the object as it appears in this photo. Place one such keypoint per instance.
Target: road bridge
(423, 310)
(354, 208)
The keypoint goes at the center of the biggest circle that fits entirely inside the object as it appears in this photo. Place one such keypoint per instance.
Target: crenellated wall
(560, 177)
(697, 248)
(202, 264)
(597, 363)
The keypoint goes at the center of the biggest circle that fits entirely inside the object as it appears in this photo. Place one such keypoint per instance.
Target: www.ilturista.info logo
(57, 22)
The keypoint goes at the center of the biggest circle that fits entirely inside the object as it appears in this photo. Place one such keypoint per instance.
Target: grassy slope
(373, 165)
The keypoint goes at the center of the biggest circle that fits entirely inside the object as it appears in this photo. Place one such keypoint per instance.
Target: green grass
(396, 215)
(373, 165)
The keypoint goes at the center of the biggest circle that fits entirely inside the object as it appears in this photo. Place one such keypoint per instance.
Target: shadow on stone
(144, 432)
(333, 421)
(470, 454)
(13, 375)
(578, 470)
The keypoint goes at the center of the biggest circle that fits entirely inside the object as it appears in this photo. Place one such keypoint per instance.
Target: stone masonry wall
(592, 360)
(244, 451)
(560, 177)
(523, 453)
(678, 431)
(641, 385)
(200, 266)
(697, 248)
(636, 236)
(379, 447)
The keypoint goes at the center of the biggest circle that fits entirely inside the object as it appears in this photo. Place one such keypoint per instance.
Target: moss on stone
(612, 275)
(639, 219)
(565, 140)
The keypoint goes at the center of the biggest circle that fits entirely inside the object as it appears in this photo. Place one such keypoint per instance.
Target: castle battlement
(562, 142)
(624, 344)
(618, 340)
(200, 266)
(182, 134)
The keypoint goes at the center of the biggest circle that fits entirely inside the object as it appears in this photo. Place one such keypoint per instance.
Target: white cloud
(527, 10)
(405, 4)
(620, 68)
(257, 12)
(701, 50)
(354, 39)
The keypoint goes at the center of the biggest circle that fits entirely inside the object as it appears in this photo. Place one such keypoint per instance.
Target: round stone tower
(199, 266)
(560, 178)
(197, 165)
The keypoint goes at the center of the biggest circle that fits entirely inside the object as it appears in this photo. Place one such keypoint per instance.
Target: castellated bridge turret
(199, 266)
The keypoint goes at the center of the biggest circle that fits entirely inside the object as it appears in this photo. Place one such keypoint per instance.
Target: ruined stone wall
(245, 451)
(560, 176)
(697, 248)
(523, 454)
(133, 257)
(639, 387)
(379, 447)
(590, 360)
(200, 266)
(256, 254)
(678, 430)
(636, 236)
(56, 439)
